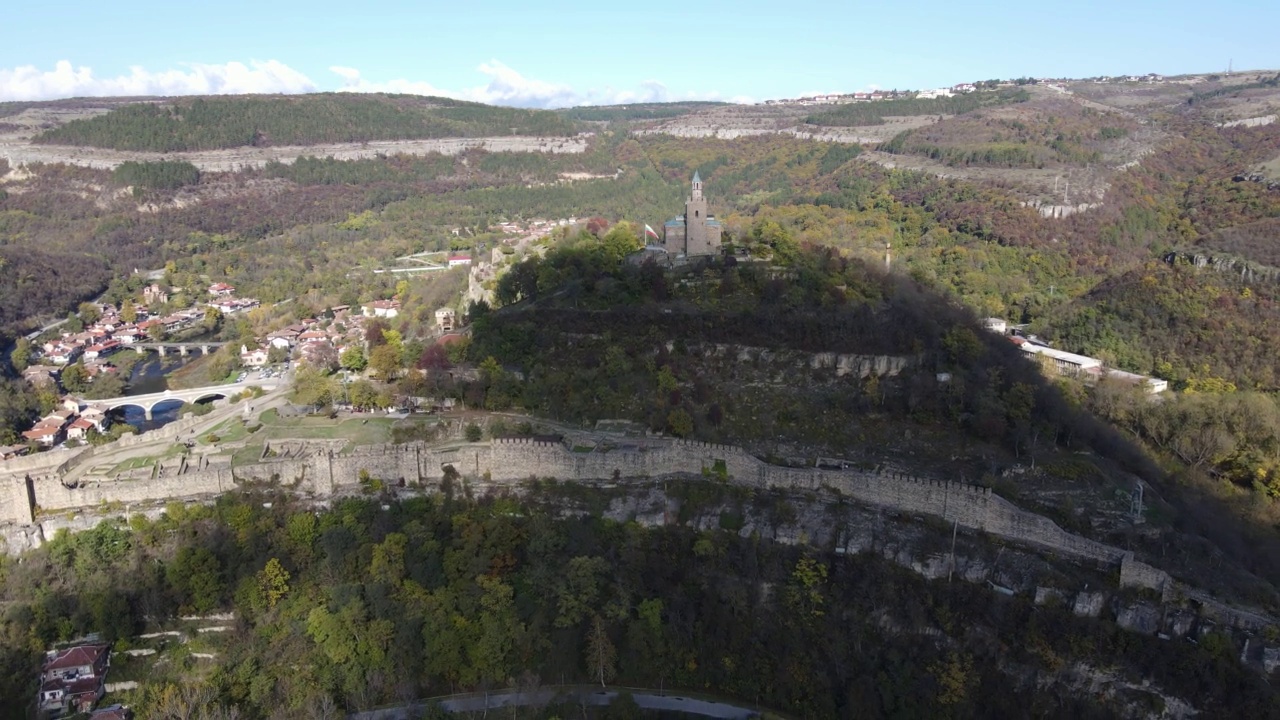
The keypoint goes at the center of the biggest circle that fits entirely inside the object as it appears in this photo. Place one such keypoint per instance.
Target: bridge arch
(120, 408)
(210, 395)
(165, 403)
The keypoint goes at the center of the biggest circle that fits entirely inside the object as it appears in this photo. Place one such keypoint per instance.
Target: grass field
(137, 462)
(229, 431)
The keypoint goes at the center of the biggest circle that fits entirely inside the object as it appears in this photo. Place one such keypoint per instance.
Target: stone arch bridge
(183, 349)
(149, 401)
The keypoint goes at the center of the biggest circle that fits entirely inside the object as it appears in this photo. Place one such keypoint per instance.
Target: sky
(557, 53)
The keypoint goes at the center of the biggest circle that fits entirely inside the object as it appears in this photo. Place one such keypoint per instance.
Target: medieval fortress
(32, 492)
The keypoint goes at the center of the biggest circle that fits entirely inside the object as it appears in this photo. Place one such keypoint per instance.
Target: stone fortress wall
(323, 473)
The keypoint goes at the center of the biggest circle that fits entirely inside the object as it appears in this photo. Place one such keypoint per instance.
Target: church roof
(696, 178)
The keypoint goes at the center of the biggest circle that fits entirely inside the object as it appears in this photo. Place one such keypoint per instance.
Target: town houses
(71, 420)
(110, 332)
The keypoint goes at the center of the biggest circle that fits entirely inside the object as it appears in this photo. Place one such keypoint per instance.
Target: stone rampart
(52, 496)
(322, 472)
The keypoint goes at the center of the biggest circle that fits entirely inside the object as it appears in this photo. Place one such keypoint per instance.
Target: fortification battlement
(948, 485)
(529, 442)
(697, 445)
(378, 450)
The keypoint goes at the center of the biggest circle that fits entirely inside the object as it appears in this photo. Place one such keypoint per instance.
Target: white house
(456, 260)
(253, 358)
(445, 319)
(383, 308)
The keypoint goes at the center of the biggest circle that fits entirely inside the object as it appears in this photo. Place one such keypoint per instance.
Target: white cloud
(506, 86)
(27, 82)
(503, 85)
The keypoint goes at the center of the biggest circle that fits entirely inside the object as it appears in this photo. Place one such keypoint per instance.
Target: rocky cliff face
(1248, 271)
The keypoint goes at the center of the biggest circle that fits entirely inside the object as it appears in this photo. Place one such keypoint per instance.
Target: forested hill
(227, 122)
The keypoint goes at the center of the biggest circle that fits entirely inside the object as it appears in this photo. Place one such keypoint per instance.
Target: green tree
(212, 320)
(579, 589)
(197, 576)
(75, 378)
(156, 332)
(474, 433)
(353, 359)
(21, 354)
(313, 386)
(680, 423)
(362, 394)
(90, 313)
(128, 312)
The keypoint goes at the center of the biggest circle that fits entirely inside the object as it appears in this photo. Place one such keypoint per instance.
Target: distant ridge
(214, 123)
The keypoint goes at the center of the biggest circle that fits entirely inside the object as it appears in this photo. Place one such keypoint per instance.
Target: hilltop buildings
(696, 232)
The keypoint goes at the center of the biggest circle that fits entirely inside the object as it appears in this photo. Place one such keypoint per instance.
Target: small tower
(697, 187)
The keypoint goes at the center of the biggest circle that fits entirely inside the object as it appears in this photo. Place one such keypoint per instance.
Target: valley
(912, 413)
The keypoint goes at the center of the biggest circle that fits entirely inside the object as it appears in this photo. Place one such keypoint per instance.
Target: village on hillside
(957, 89)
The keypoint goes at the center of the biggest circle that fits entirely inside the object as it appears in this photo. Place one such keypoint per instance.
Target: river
(150, 375)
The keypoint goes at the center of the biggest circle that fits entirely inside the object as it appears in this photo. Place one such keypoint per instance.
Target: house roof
(41, 431)
(114, 712)
(76, 657)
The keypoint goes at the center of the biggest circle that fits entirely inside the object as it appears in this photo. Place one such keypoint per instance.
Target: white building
(996, 325)
(383, 308)
(1066, 363)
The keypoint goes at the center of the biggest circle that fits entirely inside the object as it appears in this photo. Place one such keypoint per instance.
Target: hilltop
(191, 124)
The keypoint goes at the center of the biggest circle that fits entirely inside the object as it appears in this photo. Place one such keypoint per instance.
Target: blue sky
(556, 53)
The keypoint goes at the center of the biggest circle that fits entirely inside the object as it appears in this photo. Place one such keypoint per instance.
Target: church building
(695, 232)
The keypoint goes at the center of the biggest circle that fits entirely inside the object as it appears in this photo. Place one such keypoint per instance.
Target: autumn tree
(273, 582)
(385, 361)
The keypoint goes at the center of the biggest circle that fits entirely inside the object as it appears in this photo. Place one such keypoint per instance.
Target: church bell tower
(695, 220)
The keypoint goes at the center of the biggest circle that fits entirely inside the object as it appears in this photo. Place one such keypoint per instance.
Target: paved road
(585, 695)
(45, 329)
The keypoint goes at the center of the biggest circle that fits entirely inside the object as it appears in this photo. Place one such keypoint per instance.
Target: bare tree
(601, 654)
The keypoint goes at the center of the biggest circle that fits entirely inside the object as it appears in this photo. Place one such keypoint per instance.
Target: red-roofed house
(113, 712)
(45, 434)
(79, 429)
(456, 260)
(221, 290)
(72, 680)
(102, 349)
